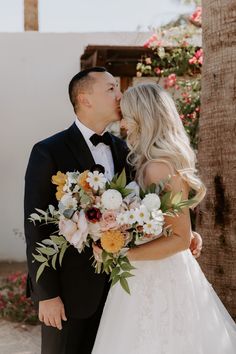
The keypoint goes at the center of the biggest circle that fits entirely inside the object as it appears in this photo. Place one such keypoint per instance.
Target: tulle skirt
(172, 309)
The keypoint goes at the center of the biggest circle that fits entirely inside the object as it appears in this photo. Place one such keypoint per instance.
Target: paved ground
(16, 338)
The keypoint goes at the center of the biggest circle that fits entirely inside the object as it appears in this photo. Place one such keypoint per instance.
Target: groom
(71, 298)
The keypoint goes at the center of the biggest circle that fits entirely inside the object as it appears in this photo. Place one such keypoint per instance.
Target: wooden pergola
(120, 61)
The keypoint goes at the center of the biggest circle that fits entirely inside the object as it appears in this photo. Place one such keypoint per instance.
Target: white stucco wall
(35, 69)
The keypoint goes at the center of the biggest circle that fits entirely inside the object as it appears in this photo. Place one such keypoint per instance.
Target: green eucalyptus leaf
(49, 251)
(126, 275)
(125, 285)
(62, 252)
(54, 259)
(115, 280)
(39, 258)
(68, 213)
(40, 271)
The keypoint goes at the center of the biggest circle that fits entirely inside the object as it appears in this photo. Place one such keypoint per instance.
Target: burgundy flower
(93, 215)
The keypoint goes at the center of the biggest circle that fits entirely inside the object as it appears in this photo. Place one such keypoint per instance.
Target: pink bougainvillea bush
(14, 305)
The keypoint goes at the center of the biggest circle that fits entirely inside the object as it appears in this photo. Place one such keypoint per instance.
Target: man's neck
(97, 127)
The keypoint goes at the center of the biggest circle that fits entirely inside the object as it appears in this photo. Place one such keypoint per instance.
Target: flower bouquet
(113, 215)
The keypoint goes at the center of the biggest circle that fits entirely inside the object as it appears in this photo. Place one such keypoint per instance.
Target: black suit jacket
(75, 282)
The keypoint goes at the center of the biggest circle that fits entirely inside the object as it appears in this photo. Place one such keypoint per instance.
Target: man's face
(105, 98)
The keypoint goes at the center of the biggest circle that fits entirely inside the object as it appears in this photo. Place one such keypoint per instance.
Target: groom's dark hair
(82, 81)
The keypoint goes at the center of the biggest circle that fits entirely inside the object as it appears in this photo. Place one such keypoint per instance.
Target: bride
(172, 308)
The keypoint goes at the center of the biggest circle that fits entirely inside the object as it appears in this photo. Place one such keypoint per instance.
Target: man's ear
(83, 100)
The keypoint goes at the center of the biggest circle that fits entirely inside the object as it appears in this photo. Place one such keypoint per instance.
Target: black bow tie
(105, 139)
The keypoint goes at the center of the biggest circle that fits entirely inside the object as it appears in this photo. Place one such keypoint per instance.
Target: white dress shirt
(101, 153)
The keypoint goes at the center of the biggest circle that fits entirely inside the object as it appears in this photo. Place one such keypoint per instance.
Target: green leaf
(54, 259)
(62, 252)
(58, 240)
(115, 272)
(125, 285)
(68, 213)
(40, 270)
(40, 258)
(35, 216)
(126, 275)
(115, 280)
(47, 250)
(121, 180)
(177, 198)
(126, 266)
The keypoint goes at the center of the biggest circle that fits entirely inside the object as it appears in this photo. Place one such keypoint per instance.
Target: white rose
(111, 199)
(151, 201)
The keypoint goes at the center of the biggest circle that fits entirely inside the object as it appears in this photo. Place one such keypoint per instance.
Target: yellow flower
(82, 180)
(60, 192)
(112, 241)
(59, 179)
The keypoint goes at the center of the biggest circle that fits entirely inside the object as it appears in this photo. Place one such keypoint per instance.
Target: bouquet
(113, 215)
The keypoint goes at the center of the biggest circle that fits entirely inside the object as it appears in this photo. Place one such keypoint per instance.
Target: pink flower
(67, 228)
(198, 53)
(197, 15)
(80, 236)
(170, 81)
(193, 60)
(150, 41)
(157, 71)
(108, 221)
(200, 60)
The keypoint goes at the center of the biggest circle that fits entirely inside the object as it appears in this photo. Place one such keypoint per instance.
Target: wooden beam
(31, 15)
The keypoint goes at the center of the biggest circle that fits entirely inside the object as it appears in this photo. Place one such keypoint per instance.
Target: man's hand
(51, 312)
(196, 244)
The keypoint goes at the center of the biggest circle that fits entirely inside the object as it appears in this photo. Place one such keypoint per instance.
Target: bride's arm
(180, 238)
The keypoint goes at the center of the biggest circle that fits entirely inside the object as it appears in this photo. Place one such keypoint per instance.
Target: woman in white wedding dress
(172, 308)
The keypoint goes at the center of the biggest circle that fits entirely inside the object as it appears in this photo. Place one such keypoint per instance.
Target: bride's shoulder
(156, 171)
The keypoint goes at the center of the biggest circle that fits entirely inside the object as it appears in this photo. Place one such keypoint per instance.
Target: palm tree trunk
(31, 15)
(216, 219)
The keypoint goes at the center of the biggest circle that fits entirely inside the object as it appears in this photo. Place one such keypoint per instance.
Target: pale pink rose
(67, 228)
(108, 220)
(80, 235)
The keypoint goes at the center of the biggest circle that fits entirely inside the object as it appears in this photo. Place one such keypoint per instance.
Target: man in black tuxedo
(71, 298)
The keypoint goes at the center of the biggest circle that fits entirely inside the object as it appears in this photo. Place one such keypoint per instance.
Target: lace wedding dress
(172, 309)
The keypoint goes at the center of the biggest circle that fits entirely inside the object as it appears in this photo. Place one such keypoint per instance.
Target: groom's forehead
(104, 78)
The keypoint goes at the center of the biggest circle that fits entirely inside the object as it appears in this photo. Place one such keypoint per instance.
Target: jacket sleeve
(39, 193)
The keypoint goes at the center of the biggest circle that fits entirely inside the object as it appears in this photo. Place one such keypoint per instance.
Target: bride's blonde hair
(155, 132)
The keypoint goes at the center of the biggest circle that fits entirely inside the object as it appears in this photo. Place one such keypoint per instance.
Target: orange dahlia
(82, 180)
(112, 241)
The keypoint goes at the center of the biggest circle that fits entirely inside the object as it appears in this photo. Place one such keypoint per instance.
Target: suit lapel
(79, 148)
(116, 154)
